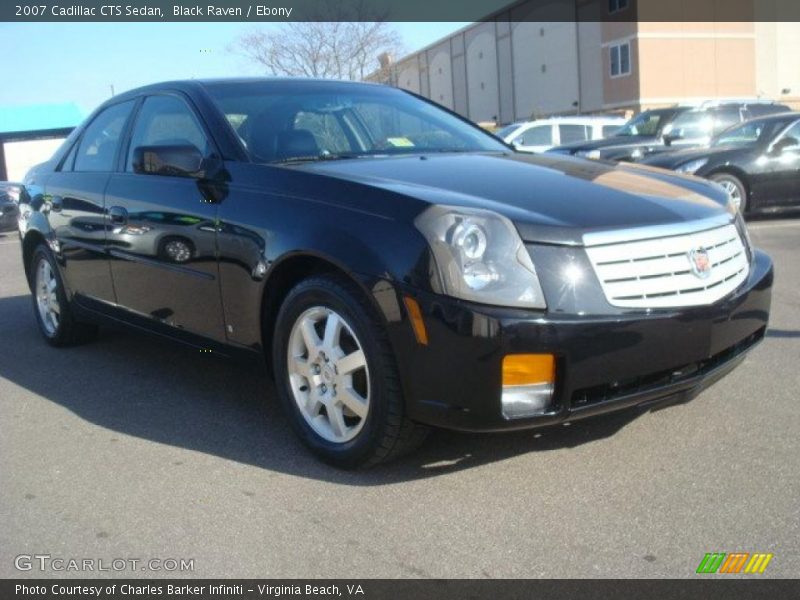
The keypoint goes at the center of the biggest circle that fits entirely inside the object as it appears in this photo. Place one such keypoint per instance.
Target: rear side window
(609, 130)
(166, 121)
(98, 146)
(573, 133)
(536, 136)
(69, 162)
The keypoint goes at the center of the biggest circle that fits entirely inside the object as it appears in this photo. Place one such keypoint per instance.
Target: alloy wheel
(733, 191)
(328, 374)
(47, 297)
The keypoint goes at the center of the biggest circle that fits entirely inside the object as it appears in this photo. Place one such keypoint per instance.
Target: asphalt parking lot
(135, 448)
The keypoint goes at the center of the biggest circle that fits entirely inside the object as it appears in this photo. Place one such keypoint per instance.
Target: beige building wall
(674, 62)
(440, 69)
(682, 69)
(777, 58)
(545, 67)
(408, 75)
(513, 69)
(590, 64)
(482, 82)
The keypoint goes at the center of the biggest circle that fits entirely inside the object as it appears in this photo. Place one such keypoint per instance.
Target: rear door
(74, 194)
(163, 236)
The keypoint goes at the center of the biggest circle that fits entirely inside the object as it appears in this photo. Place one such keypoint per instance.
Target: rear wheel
(735, 188)
(51, 308)
(336, 376)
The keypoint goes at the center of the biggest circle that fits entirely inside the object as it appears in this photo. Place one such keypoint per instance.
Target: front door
(777, 182)
(162, 236)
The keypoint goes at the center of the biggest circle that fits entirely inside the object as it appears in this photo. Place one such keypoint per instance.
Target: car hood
(675, 158)
(550, 198)
(615, 141)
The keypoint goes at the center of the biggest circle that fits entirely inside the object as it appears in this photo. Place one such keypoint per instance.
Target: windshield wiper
(311, 158)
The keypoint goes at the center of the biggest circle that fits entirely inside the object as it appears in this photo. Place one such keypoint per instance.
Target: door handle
(118, 215)
(56, 203)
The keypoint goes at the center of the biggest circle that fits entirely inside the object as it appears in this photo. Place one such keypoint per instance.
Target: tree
(324, 49)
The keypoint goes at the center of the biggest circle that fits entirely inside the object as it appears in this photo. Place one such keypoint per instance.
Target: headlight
(480, 257)
(692, 166)
(593, 154)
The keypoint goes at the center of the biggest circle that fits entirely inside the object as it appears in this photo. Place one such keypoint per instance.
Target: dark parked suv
(665, 129)
(397, 266)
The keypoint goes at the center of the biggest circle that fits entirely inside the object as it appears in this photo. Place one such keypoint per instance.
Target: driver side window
(98, 145)
(166, 121)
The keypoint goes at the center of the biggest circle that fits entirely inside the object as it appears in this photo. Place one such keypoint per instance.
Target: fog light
(528, 383)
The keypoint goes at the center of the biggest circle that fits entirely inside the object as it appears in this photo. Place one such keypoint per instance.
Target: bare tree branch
(329, 49)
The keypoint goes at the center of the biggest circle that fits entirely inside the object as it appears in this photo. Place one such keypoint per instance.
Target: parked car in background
(395, 265)
(757, 162)
(657, 130)
(16, 192)
(11, 189)
(9, 211)
(543, 134)
(696, 127)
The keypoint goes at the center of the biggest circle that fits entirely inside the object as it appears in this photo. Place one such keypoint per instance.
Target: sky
(79, 62)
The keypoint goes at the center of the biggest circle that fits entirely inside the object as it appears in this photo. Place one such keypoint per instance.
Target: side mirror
(784, 144)
(673, 136)
(172, 160)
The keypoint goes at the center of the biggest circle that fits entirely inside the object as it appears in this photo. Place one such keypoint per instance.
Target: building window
(617, 5)
(620, 59)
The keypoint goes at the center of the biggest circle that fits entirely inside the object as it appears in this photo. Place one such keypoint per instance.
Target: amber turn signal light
(417, 324)
(529, 369)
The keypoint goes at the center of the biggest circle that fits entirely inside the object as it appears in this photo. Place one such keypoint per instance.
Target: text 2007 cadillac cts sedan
(397, 266)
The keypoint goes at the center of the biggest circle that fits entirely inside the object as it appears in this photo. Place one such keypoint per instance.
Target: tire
(734, 186)
(59, 328)
(312, 382)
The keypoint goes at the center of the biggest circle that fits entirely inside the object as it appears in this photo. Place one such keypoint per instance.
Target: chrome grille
(658, 273)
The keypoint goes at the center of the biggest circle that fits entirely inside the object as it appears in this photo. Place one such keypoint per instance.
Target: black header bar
(398, 10)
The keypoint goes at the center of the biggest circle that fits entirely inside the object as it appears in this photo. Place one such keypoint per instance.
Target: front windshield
(749, 132)
(279, 121)
(504, 132)
(647, 123)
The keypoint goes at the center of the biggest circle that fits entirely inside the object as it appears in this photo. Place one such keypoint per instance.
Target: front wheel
(735, 188)
(336, 376)
(50, 305)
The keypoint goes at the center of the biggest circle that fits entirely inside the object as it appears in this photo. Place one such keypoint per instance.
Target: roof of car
(778, 116)
(587, 118)
(193, 85)
(189, 83)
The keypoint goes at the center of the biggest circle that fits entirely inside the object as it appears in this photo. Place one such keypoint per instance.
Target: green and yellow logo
(735, 562)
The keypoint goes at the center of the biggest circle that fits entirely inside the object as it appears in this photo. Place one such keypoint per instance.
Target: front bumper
(604, 363)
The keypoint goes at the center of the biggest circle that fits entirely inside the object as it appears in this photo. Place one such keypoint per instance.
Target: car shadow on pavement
(137, 385)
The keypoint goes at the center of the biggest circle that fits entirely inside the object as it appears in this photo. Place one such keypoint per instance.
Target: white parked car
(543, 134)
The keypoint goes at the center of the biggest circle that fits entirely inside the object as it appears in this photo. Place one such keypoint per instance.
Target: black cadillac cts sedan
(397, 266)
